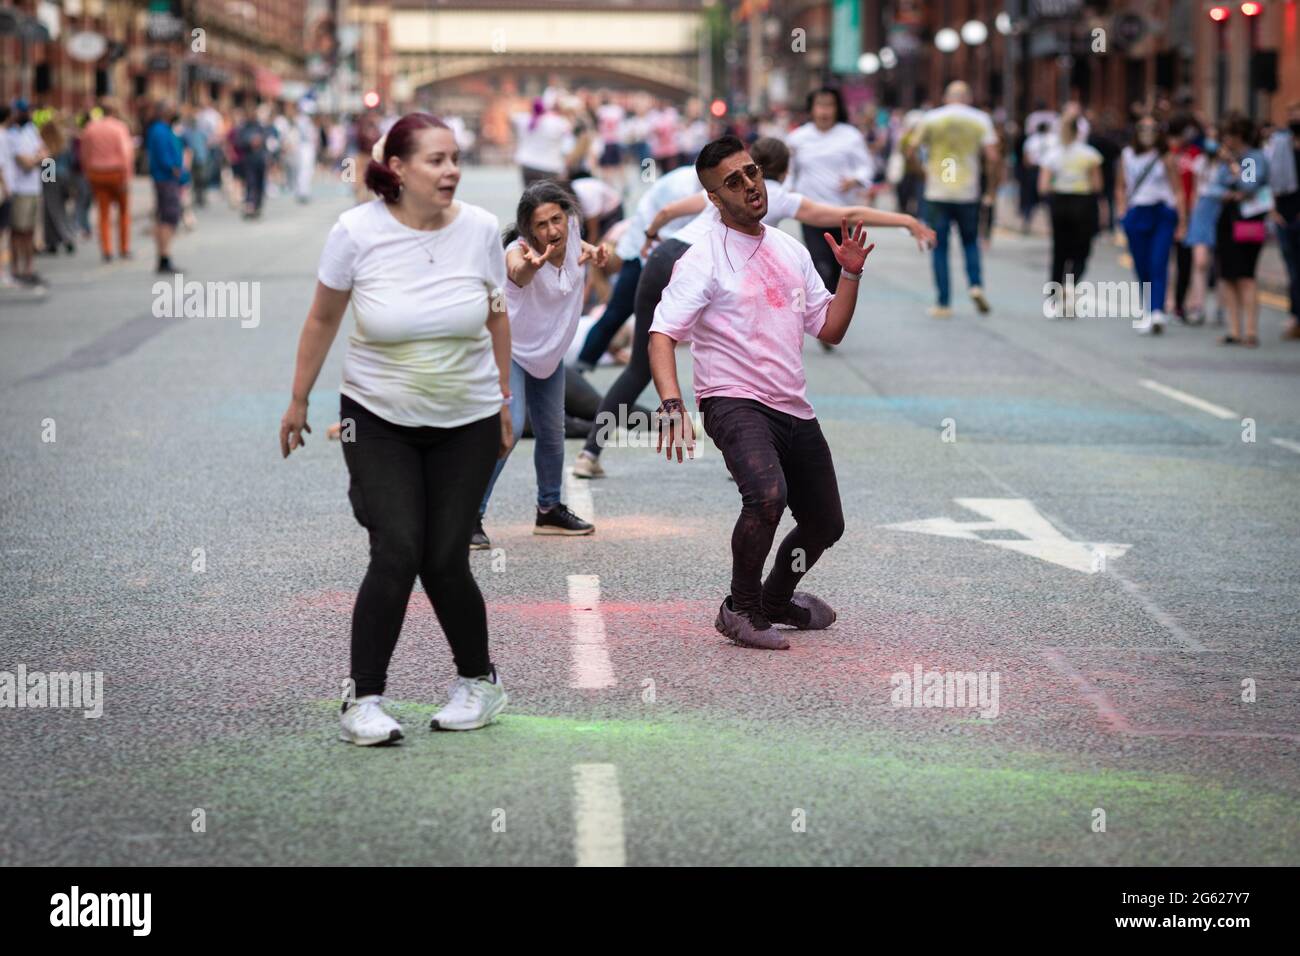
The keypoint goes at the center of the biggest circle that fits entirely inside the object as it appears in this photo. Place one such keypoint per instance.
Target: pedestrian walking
(166, 169)
(425, 387)
(108, 158)
(1070, 178)
(1152, 213)
(956, 139)
(1242, 229)
(1284, 180)
(25, 151)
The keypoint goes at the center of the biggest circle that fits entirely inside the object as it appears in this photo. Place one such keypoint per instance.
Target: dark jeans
(417, 490)
(636, 375)
(941, 216)
(1288, 242)
(255, 184)
(1074, 220)
(777, 460)
(822, 256)
(619, 307)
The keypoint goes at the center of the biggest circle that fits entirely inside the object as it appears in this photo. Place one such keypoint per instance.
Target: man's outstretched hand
(851, 251)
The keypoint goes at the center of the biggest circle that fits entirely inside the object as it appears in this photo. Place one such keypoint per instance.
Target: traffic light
(1251, 9)
(1220, 13)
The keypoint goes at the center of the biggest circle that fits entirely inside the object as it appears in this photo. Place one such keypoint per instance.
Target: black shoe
(806, 612)
(560, 520)
(69, 248)
(478, 541)
(108, 256)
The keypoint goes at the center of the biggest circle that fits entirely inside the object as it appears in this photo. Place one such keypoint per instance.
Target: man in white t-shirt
(955, 138)
(744, 296)
(26, 150)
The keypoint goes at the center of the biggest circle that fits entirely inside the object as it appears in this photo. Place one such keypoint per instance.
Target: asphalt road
(1114, 554)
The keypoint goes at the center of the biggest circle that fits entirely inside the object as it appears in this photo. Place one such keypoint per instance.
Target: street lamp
(888, 58)
(869, 63)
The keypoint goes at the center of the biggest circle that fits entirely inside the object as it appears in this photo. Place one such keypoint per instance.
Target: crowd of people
(56, 167)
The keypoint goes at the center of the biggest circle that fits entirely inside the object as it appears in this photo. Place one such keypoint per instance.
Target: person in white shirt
(1153, 215)
(1037, 144)
(424, 419)
(542, 136)
(26, 151)
(956, 139)
(745, 295)
(546, 275)
(773, 157)
(1070, 177)
(671, 186)
(600, 203)
(610, 118)
(829, 164)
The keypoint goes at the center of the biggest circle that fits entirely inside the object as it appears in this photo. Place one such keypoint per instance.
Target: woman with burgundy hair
(424, 409)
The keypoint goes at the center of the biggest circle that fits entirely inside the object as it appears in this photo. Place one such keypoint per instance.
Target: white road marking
(578, 493)
(1040, 539)
(598, 816)
(1287, 444)
(1107, 711)
(1218, 411)
(591, 665)
(1161, 617)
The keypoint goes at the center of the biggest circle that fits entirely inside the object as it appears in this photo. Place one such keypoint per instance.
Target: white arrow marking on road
(1041, 539)
(591, 665)
(1287, 444)
(598, 815)
(1218, 411)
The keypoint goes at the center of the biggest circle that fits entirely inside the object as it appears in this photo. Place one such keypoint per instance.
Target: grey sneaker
(478, 541)
(807, 612)
(587, 466)
(751, 629)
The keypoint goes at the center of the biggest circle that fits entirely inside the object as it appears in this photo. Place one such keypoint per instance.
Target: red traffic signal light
(1251, 9)
(1220, 14)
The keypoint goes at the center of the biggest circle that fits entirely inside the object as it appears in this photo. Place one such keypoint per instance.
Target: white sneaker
(475, 702)
(365, 724)
(1158, 322)
(587, 467)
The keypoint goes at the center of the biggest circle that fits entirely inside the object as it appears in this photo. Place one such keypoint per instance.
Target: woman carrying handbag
(1242, 229)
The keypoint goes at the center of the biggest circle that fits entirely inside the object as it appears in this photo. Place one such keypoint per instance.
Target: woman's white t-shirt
(544, 314)
(541, 144)
(1071, 167)
(421, 354)
(1155, 186)
(823, 159)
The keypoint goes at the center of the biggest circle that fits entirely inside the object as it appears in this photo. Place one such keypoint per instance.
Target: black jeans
(417, 490)
(777, 460)
(1074, 220)
(636, 375)
(822, 256)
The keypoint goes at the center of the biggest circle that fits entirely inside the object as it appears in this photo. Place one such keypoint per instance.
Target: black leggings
(822, 256)
(1074, 220)
(776, 459)
(636, 375)
(417, 490)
